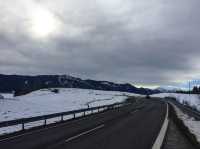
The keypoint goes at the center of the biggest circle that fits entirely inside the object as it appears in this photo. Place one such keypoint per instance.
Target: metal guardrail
(24, 121)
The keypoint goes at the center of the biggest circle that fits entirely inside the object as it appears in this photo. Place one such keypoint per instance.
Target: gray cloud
(136, 41)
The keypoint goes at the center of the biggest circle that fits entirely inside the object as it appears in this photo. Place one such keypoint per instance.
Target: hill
(25, 84)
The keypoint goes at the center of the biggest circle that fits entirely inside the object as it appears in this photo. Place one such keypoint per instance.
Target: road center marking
(84, 133)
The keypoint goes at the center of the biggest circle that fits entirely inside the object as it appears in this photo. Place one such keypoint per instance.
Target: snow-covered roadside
(192, 100)
(44, 102)
(190, 122)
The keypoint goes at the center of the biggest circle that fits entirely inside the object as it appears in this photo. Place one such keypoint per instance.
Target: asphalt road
(175, 138)
(131, 127)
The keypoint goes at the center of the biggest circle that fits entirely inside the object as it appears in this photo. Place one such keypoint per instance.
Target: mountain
(25, 84)
(168, 89)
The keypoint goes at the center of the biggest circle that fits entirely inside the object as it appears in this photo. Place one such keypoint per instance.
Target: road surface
(132, 127)
(175, 138)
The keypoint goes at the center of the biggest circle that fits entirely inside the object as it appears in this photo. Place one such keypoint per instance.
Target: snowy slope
(190, 123)
(46, 102)
(193, 100)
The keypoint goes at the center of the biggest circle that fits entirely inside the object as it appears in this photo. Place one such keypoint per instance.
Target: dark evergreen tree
(196, 90)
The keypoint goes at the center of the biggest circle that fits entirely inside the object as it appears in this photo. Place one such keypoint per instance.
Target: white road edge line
(159, 141)
(84, 133)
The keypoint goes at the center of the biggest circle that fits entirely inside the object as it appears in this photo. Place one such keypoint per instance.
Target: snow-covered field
(192, 100)
(46, 102)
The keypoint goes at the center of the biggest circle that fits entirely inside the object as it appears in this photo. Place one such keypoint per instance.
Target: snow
(190, 122)
(44, 102)
(193, 100)
(7, 95)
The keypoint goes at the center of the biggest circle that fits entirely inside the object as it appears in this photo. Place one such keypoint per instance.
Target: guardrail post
(23, 127)
(62, 118)
(45, 122)
(74, 115)
(84, 113)
(118, 108)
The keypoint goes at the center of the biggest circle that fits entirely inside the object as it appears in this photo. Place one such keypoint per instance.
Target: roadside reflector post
(23, 127)
(45, 122)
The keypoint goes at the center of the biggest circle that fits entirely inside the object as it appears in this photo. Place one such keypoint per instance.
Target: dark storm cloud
(136, 41)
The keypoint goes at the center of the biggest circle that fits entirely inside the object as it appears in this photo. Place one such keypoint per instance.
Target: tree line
(195, 90)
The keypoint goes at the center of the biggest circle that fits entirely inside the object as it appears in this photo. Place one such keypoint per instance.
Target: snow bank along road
(134, 126)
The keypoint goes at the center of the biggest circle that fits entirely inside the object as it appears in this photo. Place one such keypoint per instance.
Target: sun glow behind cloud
(43, 23)
(148, 43)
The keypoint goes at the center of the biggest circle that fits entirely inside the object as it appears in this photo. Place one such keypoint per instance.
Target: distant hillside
(169, 89)
(25, 84)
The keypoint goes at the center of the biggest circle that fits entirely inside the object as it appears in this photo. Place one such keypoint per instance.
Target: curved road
(132, 127)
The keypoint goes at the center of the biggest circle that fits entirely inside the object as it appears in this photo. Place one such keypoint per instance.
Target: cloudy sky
(154, 42)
